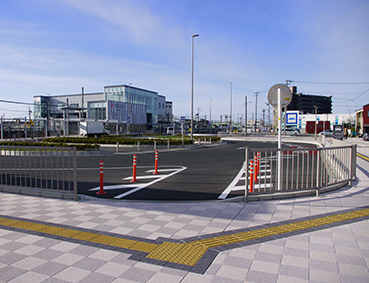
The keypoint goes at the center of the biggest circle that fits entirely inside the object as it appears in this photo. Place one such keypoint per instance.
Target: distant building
(362, 120)
(119, 104)
(306, 103)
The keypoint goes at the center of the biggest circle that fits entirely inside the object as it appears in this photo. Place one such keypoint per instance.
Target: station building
(118, 105)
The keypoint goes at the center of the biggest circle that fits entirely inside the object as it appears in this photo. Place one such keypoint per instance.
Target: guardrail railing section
(301, 168)
(47, 168)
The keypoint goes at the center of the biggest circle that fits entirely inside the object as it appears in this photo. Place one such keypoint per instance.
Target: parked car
(290, 131)
(366, 137)
(327, 133)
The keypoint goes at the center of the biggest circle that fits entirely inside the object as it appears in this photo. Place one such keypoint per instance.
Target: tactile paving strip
(186, 255)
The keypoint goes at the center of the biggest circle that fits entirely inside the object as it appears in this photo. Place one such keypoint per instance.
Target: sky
(244, 47)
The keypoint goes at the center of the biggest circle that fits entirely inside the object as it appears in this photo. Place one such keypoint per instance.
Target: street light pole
(192, 51)
(210, 116)
(230, 109)
(129, 109)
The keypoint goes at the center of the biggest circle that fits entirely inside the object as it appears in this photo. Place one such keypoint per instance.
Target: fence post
(168, 144)
(74, 172)
(117, 150)
(318, 168)
(154, 145)
(246, 174)
(138, 146)
(251, 190)
(353, 164)
(101, 191)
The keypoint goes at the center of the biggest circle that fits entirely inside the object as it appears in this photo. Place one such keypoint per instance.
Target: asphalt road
(190, 174)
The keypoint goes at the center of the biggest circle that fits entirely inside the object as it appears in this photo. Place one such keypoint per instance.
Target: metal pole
(192, 64)
(210, 115)
(129, 109)
(279, 141)
(75, 172)
(316, 108)
(256, 109)
(245, 116)
(246, 174)
(230, 109)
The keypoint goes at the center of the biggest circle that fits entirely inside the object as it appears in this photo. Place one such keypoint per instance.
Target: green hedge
(55, 144)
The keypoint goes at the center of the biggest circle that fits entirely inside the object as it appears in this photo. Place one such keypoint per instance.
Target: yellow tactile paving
(186, 253)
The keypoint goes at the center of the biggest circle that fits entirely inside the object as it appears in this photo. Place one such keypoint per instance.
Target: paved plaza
(333, 253)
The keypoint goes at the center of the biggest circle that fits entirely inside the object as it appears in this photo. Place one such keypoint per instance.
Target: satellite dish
(286, 95)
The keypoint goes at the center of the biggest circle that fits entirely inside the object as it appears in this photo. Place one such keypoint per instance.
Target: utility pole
(246, 116)
(264, 116)
(256, 109)
(268, 115)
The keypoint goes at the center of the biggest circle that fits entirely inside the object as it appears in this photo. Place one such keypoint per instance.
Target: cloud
(133, 20)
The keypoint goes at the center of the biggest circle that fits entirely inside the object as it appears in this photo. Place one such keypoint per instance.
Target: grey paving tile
(10, 272)
(50, 268)
(137, 274)
(258, 276)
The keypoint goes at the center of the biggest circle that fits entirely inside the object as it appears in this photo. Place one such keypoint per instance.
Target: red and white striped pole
(251, 189)
(134, 168)
(156, 163)
(101, 191)
(257, 164)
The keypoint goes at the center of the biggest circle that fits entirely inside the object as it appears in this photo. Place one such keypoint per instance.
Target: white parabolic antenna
(286, 95)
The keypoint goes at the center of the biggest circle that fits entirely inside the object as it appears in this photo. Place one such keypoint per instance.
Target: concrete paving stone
(29, 263)
(50, 268)
(237, 262)
(294, 271)
(29, 277)
(296, 252)
(297, 244)
(10, 272)
(72, 274)
(137, 274)
(349, 278)
(89, 263)
(316, 275)
(29, 250)
(64, 246)
(290, 279)
(319, 255)
(295, 261)
(231, 272)
(258, 276)
(68, 258)
(197, 278)
(323, 265)
(262, 266)
(106, 255)
(271, 247)
(112, 268)
(322, 247)
(356, 260)
(268, 257)
(97, 278)
(353, 269)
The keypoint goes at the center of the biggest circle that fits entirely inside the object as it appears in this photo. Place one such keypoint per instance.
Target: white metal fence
(300, 168)
(46, 168)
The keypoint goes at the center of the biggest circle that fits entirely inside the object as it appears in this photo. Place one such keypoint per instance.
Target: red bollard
(251, 190)
(156, 163)
(134, 168)
(256, 168)
(101, 192)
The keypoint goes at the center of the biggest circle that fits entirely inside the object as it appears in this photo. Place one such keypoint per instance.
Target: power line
(16, 102)
(331, 83)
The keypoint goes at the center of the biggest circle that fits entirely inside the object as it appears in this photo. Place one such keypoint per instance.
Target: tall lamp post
(230, 108)
(193, 36)
(129, 109)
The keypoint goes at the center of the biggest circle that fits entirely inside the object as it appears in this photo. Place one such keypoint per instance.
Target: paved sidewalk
(335, 254)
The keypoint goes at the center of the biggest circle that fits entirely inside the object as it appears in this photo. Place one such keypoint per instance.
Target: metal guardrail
(51, 169)
(300, 168)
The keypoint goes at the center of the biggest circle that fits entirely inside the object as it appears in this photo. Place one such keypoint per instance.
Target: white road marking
(139, 186)
(225, 193)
